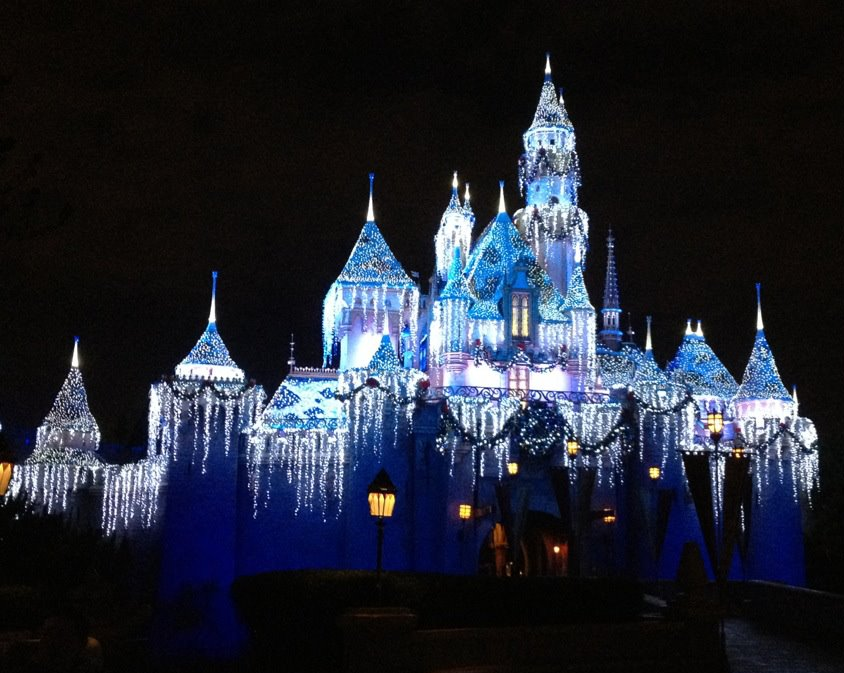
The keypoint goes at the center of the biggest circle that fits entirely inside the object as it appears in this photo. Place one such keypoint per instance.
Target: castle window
(520, 315)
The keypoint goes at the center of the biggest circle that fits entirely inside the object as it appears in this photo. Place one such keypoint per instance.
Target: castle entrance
(540, 549)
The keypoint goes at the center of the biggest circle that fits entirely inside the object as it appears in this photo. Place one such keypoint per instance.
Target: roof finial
(454, 183)
(547, 66)
(502, 207)
(689, 330)
(370, 213)
(562, 103)
(74, 362)
(291, 361)
(466, 196)
(648, 343)
(630, 332)
(759, 325)
(699, 330)
(212, 315)
(794, 395)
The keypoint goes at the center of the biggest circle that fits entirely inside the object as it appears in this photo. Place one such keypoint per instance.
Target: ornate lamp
(382, 499)
(464, 511)
(715, 425)
(572, 447)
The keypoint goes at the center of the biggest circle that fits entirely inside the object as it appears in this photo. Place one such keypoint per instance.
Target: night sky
(142, 147)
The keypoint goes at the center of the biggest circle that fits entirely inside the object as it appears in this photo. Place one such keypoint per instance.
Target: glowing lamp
(7, 465)
(556, 549)
(382, 495)
(654, 472)
(608, 516)
(738, 452)
(572, 447)
(464, 511)
(512, 468)
(715, 424)
(5, 477)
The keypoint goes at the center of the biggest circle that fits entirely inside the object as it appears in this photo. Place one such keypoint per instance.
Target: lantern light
(464, 511)
(715, 424)
(512, 468)
(572, 447)
(608, 516)
(654, 472)
(382, 495)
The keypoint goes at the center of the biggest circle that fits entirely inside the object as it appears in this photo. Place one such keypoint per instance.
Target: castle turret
(582, 341)
(209, 359)
(610, 335)
(372, 296)
(455, 232)
(549, 176)
(762, 393)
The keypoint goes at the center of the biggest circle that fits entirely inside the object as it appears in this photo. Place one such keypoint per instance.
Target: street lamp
(572, 447)
(715, 427)
(512, 468)
(382, 499)
(654, 472)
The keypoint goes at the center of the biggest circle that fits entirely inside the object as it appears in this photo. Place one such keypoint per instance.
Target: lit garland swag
(540, 428)
(193, 389)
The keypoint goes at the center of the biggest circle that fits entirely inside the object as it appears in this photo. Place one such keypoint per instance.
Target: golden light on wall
(464, 511)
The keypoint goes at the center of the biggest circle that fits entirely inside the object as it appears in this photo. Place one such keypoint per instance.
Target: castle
(524, 431)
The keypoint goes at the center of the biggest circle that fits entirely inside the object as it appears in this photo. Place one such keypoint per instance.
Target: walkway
(753, 649)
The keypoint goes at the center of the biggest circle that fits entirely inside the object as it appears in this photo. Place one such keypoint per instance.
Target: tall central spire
(212, 314)
(610, 335)
(370, 212)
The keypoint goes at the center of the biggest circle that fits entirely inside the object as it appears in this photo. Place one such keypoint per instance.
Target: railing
(495, 394)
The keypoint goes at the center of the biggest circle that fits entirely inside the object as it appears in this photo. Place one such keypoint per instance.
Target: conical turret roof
(209, 358)
(577, 296)
(698, 368)
(70, 408)
(761, 380)
(549, 111)
(371, 261)
(455, 287)
(385, 358)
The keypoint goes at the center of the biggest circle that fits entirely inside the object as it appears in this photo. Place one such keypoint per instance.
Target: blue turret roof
(698, 368)
(385, 358)
(648, 370)
(210, 350)
(372, 262)
(761, 379)
(549, 111)
(485, 309)
(497, 253)
(577, 296)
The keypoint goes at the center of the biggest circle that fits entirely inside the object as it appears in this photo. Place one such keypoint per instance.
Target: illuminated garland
(191, 389)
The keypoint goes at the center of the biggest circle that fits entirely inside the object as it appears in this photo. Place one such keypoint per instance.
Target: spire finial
(794, 394)
(502, 207)
(759, 325)
(454, 183)
(466, 196)
(689, 331)
(74, 362)
(547, 66)
(291, 361)
(699, 330)
(648, 343)
(630, 332)
(370, 213)
(562, 103)
(212, 314)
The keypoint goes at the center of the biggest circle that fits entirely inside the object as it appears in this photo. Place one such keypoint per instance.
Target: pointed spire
(577, 296)
(689, 331)
(370, 212)
(291, 361)
(454, 184)
(611, 300)
(649, 346)
(74, 361)
(212, 314)
(794, 394)
(502, 207)
(699, 330)
(759, 324)
(467, 204)
(547, 66)
(455, 287)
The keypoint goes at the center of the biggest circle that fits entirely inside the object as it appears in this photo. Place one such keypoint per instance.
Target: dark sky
(143, 146)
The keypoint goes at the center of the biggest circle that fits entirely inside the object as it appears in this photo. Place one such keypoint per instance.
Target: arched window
(520, 315)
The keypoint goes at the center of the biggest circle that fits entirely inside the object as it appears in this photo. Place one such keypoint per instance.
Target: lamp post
(715, 428)
(382, 499)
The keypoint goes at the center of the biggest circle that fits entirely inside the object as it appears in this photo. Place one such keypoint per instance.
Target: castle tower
(549, 177)
(372, 296)
(455, 233)
(450, 327)
(610, 335)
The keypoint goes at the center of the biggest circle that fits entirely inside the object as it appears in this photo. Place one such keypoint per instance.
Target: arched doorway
(542, 549)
